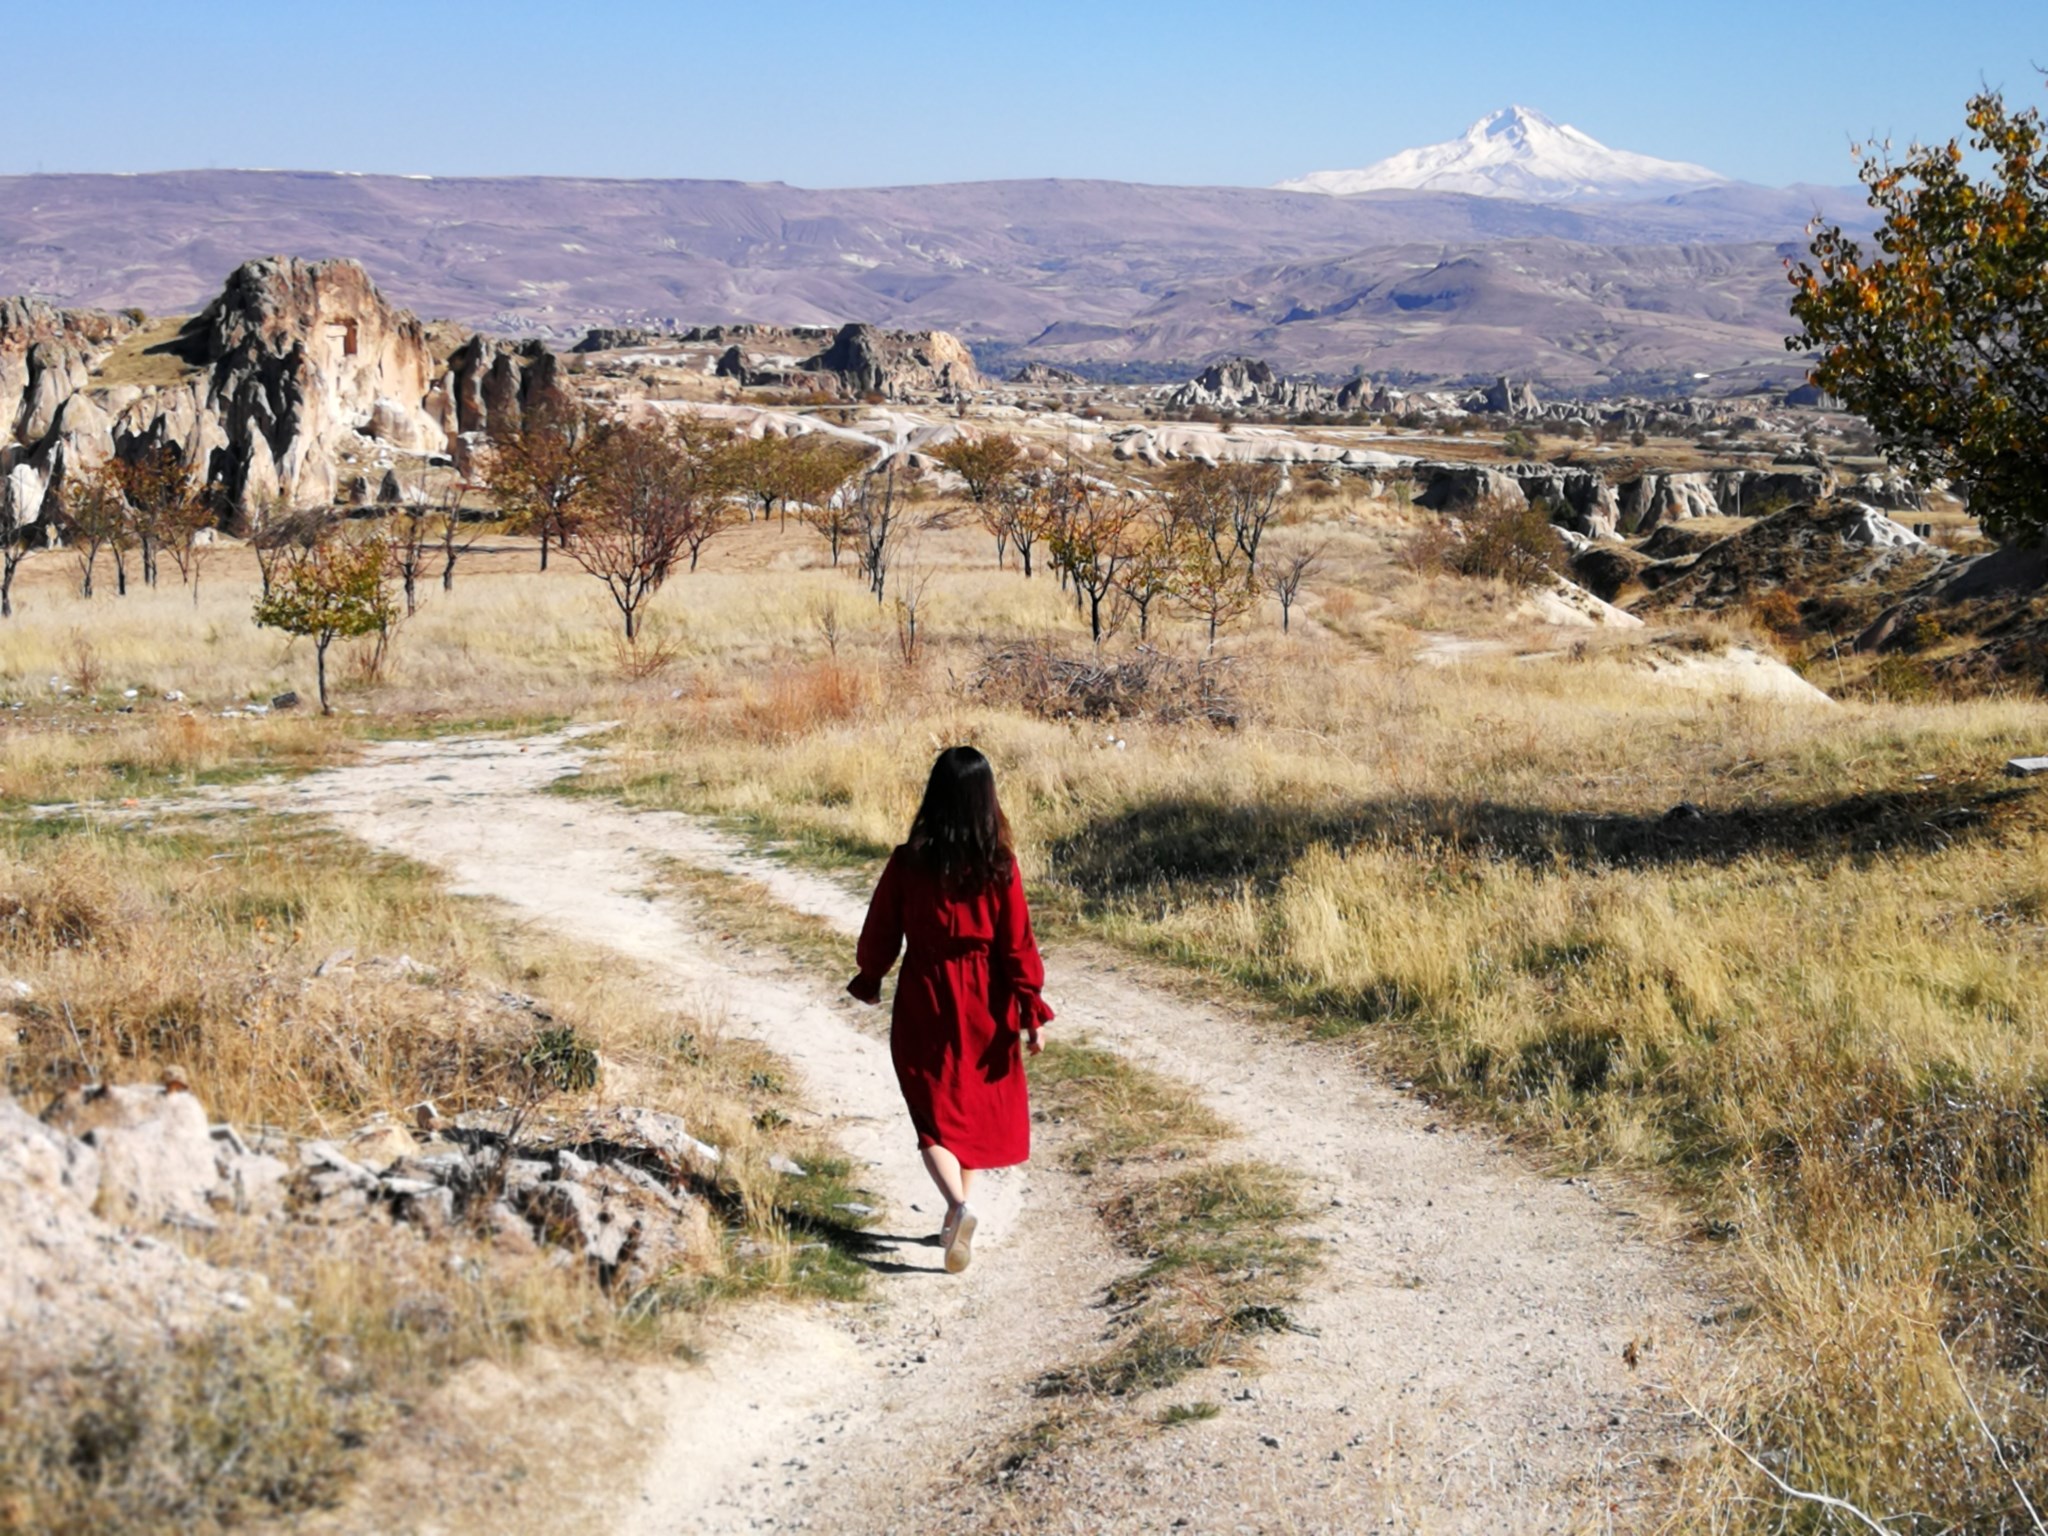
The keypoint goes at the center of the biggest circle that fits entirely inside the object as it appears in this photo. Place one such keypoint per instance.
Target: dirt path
(1466, 1366)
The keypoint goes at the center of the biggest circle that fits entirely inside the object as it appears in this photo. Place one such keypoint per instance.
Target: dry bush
(199, 1436)
(1144, 684)
(1495, 541)
(802, 697)
(1778, 612)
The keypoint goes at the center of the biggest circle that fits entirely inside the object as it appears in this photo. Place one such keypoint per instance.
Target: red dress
(970, 985)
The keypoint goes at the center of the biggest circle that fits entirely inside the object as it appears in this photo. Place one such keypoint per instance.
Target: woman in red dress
(967, 1004)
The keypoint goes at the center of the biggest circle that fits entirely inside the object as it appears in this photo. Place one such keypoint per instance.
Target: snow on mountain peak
(1517, 152)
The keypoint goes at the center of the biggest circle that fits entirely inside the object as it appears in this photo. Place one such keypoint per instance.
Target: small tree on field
(1091, 542)
(336, 590)
(1212, 502)
(411, 536)
(541, 472)
(1159, 553)
(279, 534)
(453, 531)
(17, 542)
(772, 471)
(876, 514)
(819, 472)
(1214, 586)
(1023, 506)
(637, 520)
(1285, 579)
(1250, 494)
(990, 466)
(95, 516)
(189, 539)
(1939, 337)
(168, 508)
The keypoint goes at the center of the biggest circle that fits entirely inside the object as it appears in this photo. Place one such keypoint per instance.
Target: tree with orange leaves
(1939, 336)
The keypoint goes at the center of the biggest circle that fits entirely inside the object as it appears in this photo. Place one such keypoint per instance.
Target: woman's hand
(1031, 1043)
(867, 988)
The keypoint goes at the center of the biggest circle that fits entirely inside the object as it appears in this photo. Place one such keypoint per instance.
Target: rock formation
(869, 360)
(1248, 384)
(293, 364)
(1506, 398)
(1582, 499)
(852, 361)
(1045, 376)
(83, 1187)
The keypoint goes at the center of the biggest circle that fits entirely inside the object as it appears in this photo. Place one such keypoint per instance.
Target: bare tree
(412, 535)
(1286, 578)
(638, 517)
(278, 534)
(454, 532)
(912, 580)
(1252, 493)
(17, 542)
(876, 515)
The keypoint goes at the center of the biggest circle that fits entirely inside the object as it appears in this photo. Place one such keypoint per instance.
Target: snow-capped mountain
(1522, 154)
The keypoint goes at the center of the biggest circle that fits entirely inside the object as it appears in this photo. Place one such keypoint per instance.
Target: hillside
(992, 261)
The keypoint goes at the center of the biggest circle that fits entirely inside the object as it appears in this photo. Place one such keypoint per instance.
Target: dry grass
(197, 939)
(149, 357)
(1810, 1002)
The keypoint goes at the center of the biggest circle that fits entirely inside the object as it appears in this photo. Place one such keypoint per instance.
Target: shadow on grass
(1214, 847)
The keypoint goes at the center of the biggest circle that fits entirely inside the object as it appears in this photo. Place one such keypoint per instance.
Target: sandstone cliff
(294, 366)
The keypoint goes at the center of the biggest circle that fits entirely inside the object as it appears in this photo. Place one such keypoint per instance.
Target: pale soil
(1461, 1366)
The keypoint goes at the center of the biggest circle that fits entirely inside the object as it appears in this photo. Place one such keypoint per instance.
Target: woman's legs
(957, 1235)
(951, 1178)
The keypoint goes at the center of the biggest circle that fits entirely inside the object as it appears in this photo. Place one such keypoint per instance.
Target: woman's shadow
(870, 1249)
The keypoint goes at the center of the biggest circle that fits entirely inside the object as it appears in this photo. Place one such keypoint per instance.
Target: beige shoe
(960, 1249)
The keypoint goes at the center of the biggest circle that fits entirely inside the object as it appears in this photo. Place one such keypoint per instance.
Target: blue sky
(845, 94)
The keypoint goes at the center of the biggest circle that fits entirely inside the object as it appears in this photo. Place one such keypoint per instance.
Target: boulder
(1869, 528)
(156, 1153)
(1505, 398)
(68, 1279)
(21, 498)
(1661, 496)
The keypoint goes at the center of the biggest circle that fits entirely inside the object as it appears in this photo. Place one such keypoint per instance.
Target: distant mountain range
(1518, 152)
(1583, 293)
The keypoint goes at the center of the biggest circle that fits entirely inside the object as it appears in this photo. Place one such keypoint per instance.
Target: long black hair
(960, 833)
